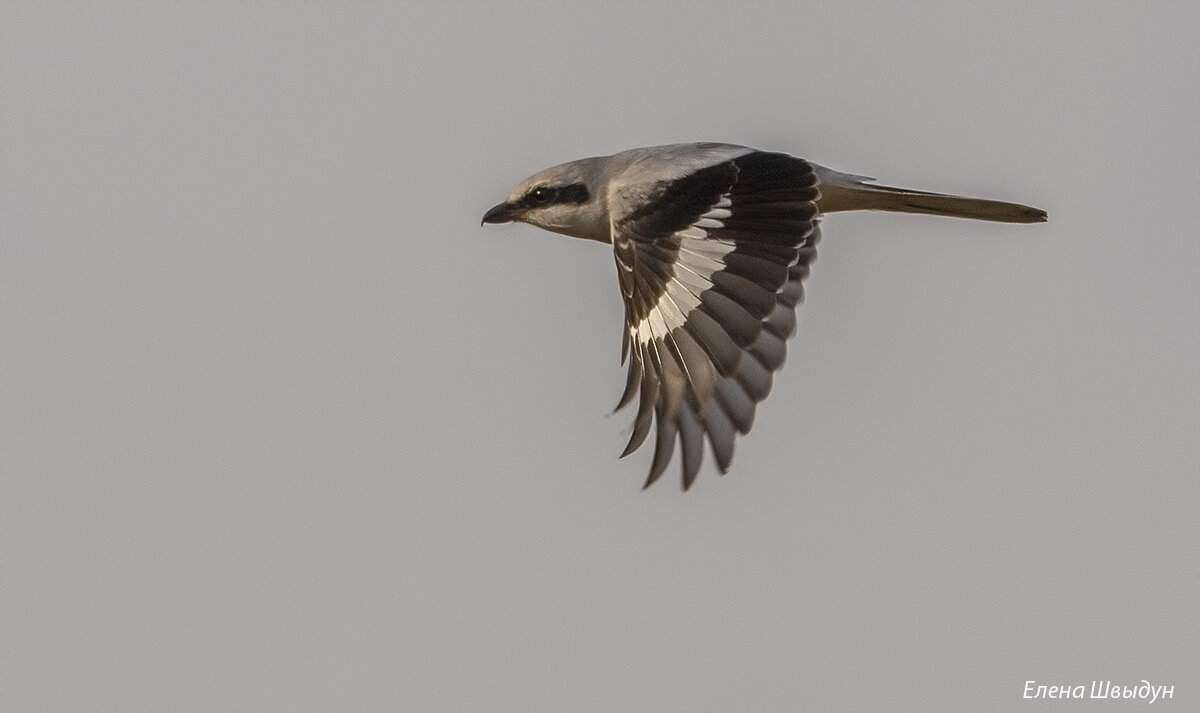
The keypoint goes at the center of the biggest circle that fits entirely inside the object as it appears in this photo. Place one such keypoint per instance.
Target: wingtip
(689, 478)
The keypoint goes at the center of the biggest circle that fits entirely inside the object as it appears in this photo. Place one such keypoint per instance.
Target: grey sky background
(283, 429)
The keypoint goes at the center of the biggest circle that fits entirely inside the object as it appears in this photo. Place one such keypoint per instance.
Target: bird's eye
(542, 195)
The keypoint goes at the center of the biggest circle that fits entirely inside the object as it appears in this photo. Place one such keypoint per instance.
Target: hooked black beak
(503, 213)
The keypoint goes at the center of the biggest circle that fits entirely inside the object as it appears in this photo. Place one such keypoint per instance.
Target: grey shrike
(712, 242)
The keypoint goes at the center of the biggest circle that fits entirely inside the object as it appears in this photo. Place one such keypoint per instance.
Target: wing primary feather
(632, 380)
(721, 348)
(664, 447)
(739, 324)
(782, 322)
(737, 403)
(753, 298)
(721, 436)
(645, 414)
(695, 365)
(691, 440)
(769, 349)
(672, 379)
(754, 377)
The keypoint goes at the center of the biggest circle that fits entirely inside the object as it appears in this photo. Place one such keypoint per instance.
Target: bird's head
(565, 199)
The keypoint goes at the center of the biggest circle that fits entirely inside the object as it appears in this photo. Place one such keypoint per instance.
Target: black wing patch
(711, 270)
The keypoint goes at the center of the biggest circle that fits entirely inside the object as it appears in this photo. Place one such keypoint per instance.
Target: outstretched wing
(710, 267)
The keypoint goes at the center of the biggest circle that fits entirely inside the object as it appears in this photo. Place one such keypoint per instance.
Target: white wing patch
(699, 257)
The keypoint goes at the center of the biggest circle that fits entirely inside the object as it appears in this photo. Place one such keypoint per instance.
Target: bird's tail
(843, 191)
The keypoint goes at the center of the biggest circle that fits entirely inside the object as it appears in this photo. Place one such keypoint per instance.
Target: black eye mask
(548, 195)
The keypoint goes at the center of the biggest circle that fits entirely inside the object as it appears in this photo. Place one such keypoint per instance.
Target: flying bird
(712, 244)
